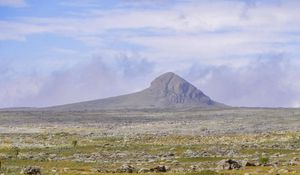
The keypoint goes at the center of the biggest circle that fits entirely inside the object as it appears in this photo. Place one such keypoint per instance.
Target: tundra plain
(241, 141)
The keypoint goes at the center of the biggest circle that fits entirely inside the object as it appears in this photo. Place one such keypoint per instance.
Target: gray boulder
(144, 170)
(228, 165)
(126, 169)
(31, 170)
(160, 169)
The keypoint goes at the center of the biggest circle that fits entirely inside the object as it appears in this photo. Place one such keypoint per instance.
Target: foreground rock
(294, 162)
(160, 169)
(228, 165)
(245, 163)
(126, 169)
(144, 170)
(32, 170)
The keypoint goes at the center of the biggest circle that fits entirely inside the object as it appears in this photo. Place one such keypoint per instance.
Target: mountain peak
(165, 79)
(166, 75)
(166, 91)
(177, 90)
(171, 82)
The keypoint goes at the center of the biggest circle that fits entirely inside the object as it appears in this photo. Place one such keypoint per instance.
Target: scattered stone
(171, 155)
(294, 162)
(66, 169)
(54, 170)
(100, 170)
(268, 164)
(160, 169)
(151, 160)
(271, 170)
(231, 153)
(190, 153)
(176, 162)
(126, 169)
(245, 163)
(144, 170)
(283, 171)
(31, 170)
(228, 165)
(193, 168)
(172, 149)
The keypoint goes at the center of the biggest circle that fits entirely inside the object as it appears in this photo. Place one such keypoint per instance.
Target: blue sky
(242, 53)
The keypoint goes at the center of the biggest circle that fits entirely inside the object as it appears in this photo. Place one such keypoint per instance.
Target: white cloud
(19, 30)
(214, 24)
(64, 51)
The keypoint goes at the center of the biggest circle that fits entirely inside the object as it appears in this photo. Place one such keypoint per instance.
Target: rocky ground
(229, 141)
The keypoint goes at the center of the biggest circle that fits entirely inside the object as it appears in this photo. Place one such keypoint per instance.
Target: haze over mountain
(166, 91)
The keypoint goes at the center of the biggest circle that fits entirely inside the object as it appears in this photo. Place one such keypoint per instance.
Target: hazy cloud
(94, 79)
(267, 82)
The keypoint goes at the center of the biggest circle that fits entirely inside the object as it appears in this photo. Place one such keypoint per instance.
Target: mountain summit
(174, 90)
(166, 91)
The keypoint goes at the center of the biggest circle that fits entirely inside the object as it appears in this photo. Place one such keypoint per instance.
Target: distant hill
(166, 91)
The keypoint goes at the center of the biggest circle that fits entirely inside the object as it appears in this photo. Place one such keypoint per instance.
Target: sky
(238, 52)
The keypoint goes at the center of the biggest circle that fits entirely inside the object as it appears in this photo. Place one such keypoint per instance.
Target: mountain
(166, 91)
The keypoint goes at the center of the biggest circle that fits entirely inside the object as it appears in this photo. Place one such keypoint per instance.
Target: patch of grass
(200, 159)
(205, 172)
(74, 143)
(263, 160)
(267, 151)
